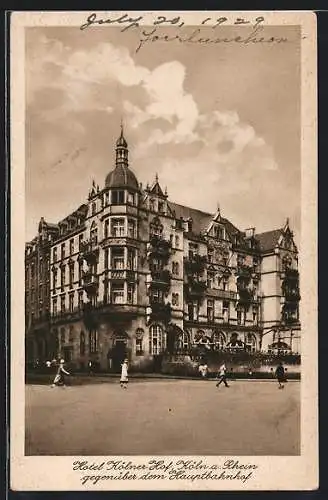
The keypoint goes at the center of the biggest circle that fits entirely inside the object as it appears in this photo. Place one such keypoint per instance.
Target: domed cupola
(121, 177)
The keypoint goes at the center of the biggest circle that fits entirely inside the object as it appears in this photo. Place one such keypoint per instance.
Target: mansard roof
(269, 239)
(200, 220)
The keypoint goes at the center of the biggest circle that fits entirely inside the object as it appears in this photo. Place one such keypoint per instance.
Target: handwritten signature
(153, 35)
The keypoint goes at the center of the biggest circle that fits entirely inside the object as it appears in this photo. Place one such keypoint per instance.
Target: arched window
(219, 341)
(157, 340)
(82, 343)
(139, 341)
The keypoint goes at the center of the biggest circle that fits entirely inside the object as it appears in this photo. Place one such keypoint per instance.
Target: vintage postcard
(163, 251)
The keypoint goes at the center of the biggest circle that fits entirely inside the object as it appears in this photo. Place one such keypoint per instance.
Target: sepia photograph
(165, 296)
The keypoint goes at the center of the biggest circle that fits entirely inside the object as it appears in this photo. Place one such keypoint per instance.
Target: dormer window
(93, 208)
(152, 205)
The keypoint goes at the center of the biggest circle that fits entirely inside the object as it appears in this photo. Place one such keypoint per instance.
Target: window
(106, 199)
(63, 251)
(131, 228)
(156, 340)
(255, 315)
(106, 229)
(251, 342)
(210, 254)
(106, 255)
(219, 232)
(62, 284)
(255, 289)
(62, 303)
(139, 350)
(175, 268)
(71, 302)
(175, 299)
(54, 254)
(193, 250)
(94, 233)
(130, 199)
(225, 282)
(161, 207)
(131, 258)
(54, 306)
(139, 341)
(80, 299)
(156, 296)
(193, 311)
(210, 279)
(71, 334)
(93, 341)
(93, 208)
(219, 341)
(225, 311)
(71, 246)
(177, 242)
(117, 197)
(130, 293)
(62, 336)
(117, 294)
(156, 265)
(80, 241)
(82, 343)
(54, 279)
(152, 205)
(117, 261)
(71, 274)
(80, 271)
(210, 311)
(105, 291)
(118, 227)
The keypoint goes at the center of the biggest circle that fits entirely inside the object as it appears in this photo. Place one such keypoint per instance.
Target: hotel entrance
(118, 352)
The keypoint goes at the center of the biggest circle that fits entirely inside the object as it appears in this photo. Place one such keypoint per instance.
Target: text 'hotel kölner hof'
(129, 270)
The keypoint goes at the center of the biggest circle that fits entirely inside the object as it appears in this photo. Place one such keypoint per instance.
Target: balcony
(195, 264)
(122, 275)
(89, 250)
(160, 311)
(159, 247)
(90, 282)
(66, 316)
(160, 279)
(243, 271)
(291, 295)
(221, 294)
(195, 288)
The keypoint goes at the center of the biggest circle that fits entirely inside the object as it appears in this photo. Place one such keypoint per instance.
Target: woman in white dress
(124, 374)
(60, 375)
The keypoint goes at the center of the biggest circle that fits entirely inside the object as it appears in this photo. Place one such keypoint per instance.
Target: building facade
(131, 273)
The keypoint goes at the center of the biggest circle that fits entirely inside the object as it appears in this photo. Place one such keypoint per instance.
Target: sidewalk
(85, 378)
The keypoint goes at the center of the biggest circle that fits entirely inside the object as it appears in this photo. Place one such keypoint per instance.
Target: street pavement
(164, 417)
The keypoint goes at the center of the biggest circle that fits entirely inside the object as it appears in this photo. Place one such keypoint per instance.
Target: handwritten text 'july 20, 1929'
(155, 33)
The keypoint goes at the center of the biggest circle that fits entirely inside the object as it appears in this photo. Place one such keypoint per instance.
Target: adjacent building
(131, 273)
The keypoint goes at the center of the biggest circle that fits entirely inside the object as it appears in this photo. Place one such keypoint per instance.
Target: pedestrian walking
(281, 376)
(222, 375)
(59, 379)
(124, 374)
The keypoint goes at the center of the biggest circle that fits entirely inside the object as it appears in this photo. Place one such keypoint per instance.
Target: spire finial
(156, 177)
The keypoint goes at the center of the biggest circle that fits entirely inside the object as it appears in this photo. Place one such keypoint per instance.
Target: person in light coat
(222, 375)
(124, 374)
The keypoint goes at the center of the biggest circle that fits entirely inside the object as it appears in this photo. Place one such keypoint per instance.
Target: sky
(219, 124)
